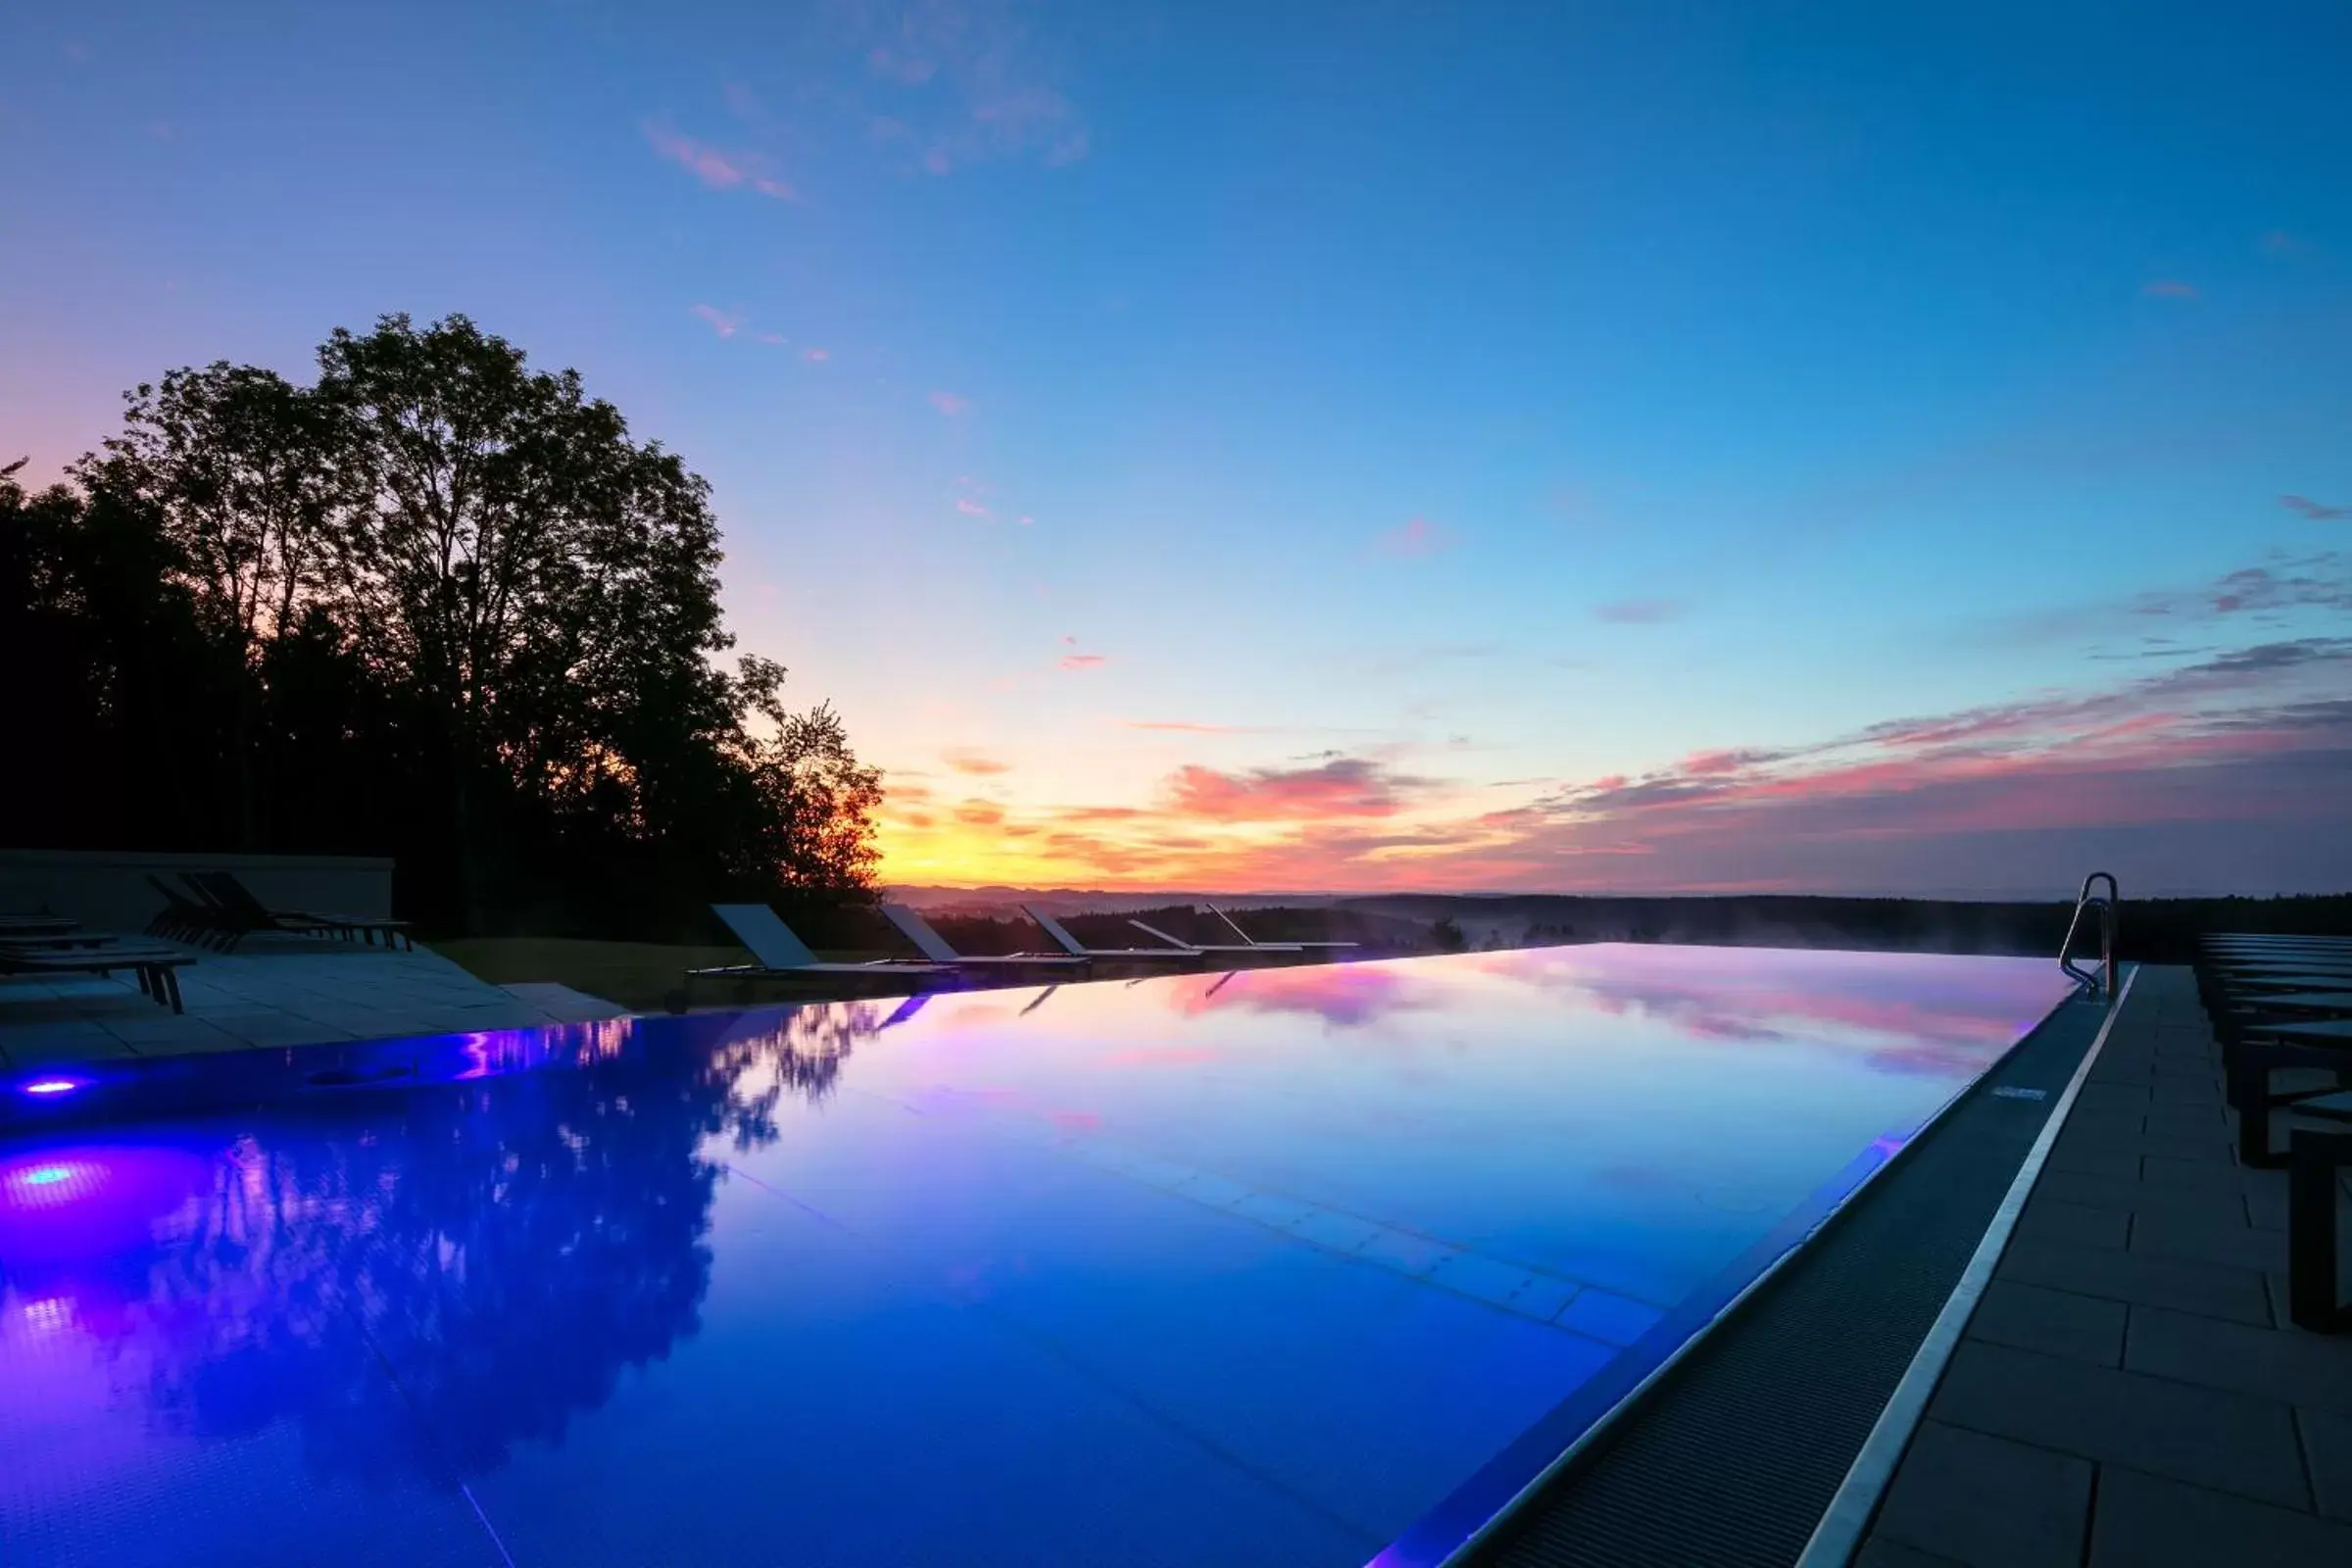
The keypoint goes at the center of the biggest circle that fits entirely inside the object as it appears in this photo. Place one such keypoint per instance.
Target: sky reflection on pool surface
(1234, 1269)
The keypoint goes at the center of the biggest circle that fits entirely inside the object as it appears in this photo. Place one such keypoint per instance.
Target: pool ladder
(2099, 982)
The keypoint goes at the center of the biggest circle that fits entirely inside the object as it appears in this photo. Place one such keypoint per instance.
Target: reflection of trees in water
(801, 1051)
(502, 1248)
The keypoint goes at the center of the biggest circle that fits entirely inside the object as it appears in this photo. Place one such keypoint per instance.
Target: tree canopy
(436, 605)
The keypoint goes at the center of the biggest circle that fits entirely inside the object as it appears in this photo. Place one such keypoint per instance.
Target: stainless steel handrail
(2102, 983)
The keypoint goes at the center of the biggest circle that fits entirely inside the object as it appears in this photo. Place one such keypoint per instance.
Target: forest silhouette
(435, 605)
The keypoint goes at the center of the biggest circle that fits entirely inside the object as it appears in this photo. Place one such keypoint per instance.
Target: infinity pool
(1307, 1266)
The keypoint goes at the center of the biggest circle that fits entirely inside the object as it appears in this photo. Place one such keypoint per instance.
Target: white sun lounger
(1077, 949)
(1243, 946)
(1254, 942)
(781, 954)
(934, 947)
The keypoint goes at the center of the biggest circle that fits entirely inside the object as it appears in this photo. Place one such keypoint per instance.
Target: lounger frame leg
(2313, 1160)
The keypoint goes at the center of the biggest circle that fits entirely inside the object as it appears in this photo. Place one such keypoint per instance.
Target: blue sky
(1361, 446)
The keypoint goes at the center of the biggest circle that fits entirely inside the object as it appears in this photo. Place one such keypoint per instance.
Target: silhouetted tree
(438, 604)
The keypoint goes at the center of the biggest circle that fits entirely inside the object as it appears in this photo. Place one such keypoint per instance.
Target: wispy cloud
(950, 404)
(1345, 787)
(972, 508)
(2278, 242)
(954, 84)
(978, 764)
(715, 167)
(816, 356)
(2265, 593)
(1413, 537)
(720, 322)
(2169, 288)
(2304, 505)
(1176, 726)
(1639, 612)
(1083, 661)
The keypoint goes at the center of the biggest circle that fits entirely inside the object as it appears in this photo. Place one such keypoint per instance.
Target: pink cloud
(2278, 242)
(816, 356)
(2169, 288)
(1346, 787)
(964, 759)
(2305, 507)
(971, 509)
(1415, 536)
(1176, 726)
(1640, 611)
(949, 404)
(717, 169)
(724, 324)
(1083, 661)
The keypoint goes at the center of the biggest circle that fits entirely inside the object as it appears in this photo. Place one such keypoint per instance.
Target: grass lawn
(635, 974)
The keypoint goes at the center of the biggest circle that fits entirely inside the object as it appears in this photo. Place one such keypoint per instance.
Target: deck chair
(780, 954)
(154, 968)
(1070, 943)
(241, 908)
(1236, 927)
(934, 947)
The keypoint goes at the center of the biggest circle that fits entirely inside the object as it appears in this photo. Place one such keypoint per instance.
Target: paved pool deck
(273, 991)
(2129, 1390)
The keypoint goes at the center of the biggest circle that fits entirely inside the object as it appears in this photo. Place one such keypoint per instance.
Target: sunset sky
(1629, 447)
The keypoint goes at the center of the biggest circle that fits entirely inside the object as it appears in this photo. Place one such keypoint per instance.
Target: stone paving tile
(2228, 1442)
(1887, 1554)
(2053, 1223)
(2237, 1293)
(2191, 1240)
(2028, 1317)
(2285, 1364)
(2087, 1157)
(2137, 1197)
(2328, 1450)
(2147, 1521)
(1988, 1501)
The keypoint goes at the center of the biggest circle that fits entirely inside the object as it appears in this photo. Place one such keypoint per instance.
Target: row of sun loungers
(2284, 1005)
(216, 910)
(778, 954)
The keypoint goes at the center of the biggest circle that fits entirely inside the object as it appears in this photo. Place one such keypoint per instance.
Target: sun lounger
(2315, 1154)
(1077, 949)
(2272, 1019)
(934, 947)
(154, 968)
(239, 910)
(1236, 927)
(782, 955)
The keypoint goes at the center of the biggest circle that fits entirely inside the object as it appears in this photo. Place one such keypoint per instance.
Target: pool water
(1305, 1266)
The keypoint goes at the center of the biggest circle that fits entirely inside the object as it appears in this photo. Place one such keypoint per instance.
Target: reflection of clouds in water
(1343, 994)
(1907, 1014)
